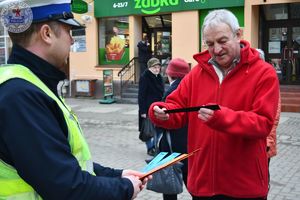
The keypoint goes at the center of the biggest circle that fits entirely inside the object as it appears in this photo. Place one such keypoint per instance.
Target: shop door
(283, 50)
(281, 38)
(162, 44)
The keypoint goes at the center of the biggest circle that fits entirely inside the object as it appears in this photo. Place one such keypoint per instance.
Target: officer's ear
(46, 33)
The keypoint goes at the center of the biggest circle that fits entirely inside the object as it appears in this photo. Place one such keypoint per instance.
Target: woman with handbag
(175, 71)
(151, 89)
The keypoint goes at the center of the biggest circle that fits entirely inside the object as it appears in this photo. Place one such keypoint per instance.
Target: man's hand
(160, 113)
(205, 114)
(136, 183)
(143, 115)
(134, 177)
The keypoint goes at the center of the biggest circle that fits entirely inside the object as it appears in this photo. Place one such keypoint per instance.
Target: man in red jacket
(232, 163)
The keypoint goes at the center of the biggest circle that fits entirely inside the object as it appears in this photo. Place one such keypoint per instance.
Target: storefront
(173, 27)
(114, 27)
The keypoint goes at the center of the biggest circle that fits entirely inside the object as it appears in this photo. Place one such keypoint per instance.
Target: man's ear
(239, 34)
(46, 33)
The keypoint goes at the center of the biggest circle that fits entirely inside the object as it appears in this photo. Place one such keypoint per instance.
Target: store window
(79, 38)
(114, 41)
(276, 11)
(5, 45)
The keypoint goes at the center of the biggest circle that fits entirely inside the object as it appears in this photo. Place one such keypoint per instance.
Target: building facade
(114, 27)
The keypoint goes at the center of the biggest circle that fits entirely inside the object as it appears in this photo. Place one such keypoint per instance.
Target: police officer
(43, 154)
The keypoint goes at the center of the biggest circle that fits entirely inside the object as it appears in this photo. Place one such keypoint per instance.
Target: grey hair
(216, 17)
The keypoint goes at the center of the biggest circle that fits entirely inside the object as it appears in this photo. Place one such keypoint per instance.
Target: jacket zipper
(214, 147)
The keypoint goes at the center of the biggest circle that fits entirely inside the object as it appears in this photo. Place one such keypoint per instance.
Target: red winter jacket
(233, 159)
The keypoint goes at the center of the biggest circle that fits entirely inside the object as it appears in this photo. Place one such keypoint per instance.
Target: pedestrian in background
(151, 89)
(144, 53)
(232, 162)
(176, 70)
(43, 154)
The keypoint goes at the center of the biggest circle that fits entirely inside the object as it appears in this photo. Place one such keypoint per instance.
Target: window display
(79, 38)
(114, 41)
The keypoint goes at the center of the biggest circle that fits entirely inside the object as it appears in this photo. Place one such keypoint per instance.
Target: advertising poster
(82, 86)
(107, 82)
(114, 41)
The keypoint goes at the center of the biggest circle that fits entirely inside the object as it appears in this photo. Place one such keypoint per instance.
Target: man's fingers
(158, 109)
(205, 114)
(206, 111)
(160, 113)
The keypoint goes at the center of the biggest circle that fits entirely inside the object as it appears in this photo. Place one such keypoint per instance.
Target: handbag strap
(169, 141)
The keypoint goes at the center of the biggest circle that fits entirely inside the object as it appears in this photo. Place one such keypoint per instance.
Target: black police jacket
(33, 139)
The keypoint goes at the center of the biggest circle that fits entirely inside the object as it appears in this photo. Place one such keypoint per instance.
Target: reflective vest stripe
(11, 189)
(7, 171)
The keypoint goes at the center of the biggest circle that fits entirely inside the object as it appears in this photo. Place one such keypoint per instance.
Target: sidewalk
(111, 131)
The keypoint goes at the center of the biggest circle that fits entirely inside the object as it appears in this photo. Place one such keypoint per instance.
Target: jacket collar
(48, 73)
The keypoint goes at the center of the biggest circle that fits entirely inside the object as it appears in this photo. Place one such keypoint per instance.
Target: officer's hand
(136, 183)
(129, 172)
(205, 114)
(143, 115)
(160, 113)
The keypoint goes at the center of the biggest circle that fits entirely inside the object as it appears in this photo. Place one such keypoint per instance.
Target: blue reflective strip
(169, 158)
(43, 12)
(153, 162)
(158, 161)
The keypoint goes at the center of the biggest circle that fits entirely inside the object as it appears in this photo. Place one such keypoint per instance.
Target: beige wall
(185, 35)
(251, 11)
(82, 64)
(251, 28)
(135, 32)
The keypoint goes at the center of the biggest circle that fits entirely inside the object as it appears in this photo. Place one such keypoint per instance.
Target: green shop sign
(108, 8)
(79, 6)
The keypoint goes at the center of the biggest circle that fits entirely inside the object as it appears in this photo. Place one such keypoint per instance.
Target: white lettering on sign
(190, 1)
(120, 5)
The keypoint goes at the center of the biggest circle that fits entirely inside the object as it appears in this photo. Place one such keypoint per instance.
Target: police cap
(48, 10)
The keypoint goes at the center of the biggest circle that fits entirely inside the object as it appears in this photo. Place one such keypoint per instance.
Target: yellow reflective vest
(12, 186)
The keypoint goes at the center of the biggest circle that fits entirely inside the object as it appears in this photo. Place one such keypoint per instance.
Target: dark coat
(34, 139)
(144, 52)
(151, 89)
(178, 136)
